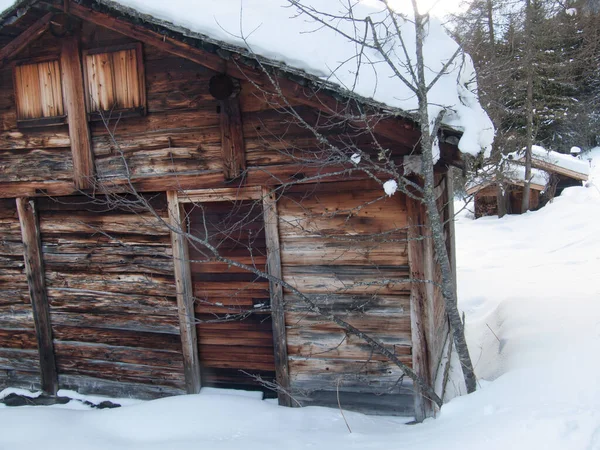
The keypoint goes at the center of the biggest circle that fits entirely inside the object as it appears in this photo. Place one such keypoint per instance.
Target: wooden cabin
(485, 197)
(565, 170)
(120, 134)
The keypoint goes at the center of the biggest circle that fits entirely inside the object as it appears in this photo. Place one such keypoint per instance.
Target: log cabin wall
(345, 246)
(19, 360)
(111, 292)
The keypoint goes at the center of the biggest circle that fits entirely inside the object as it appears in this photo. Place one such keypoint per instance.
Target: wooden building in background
(117, 129)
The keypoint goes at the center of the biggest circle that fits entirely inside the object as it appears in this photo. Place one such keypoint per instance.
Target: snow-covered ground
(530, 287)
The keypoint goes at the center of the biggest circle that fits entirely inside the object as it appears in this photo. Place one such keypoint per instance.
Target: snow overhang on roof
(317, 57)
(514, 174)
(551, 161)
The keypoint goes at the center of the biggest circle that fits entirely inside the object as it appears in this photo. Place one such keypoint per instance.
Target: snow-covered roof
(276, 32)
(513, 173)
(554, 162)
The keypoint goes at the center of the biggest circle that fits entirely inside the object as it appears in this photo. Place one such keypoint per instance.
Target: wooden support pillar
(277, 308)
(420, 260)
(74, 99)
(226, 90)
(34, 268)
(185, 296)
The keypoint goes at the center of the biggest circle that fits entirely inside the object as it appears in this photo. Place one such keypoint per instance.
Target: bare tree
(375, 36)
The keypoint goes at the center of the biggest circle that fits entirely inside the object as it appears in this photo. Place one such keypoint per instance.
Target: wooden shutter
(114, 80)
(38, 92)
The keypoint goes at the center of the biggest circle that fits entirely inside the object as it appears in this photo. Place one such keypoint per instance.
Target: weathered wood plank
(124, 283)
(378, 377)
(127, 322)
(348, 280)
(185, 296)
(32, 139)
(101, 224)
(19, 339)
(89, 384)
(34, 267)
(17, 359)
(232, 138)
(136, 373)
(420, 254)
(126, 144)
(16, 316)
(400, 404)
(35, 164)
(160, 161)
(311, 250)
(119, 354)
(99, 260)
(16, 378)
(137, 339)
(116, 389)
(395, 330)
(102, 302)
(74, 96)
(374, 305)
(276, 294)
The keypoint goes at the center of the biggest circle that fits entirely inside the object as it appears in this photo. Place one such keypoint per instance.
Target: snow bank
(558, 159)
(275, 30)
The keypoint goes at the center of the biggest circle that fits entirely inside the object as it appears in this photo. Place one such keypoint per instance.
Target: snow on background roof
(512, 172)
(275, 30)
(558, 159)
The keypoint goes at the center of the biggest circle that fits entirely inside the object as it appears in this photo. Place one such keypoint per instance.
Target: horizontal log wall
(19, 360)
(344, 246)
(111, 289)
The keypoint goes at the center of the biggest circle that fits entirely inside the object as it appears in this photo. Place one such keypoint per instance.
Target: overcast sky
(440, 7)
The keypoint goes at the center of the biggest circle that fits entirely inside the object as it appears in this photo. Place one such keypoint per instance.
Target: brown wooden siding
(19, 360)
(338, 243)
(109, 278)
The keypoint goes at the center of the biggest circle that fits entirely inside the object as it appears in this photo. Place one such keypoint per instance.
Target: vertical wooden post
(74, 97)
(276, 291)
(420, 260)
(232, 138)
(34, 268)
(185, 297)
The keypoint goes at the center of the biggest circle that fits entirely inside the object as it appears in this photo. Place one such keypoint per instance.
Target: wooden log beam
(420, 257)
(282, 374)
(226, 90)
(232, 138)
(20, 42)
(34, 268)
(185, 297)
(74, 96)
(255, 176)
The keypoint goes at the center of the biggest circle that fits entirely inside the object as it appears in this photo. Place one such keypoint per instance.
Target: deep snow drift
(530, 288)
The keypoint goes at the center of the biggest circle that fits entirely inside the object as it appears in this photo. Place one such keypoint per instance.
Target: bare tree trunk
(529, 107)
(437, 231)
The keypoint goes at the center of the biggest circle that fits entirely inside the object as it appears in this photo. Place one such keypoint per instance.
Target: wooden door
(232, 305)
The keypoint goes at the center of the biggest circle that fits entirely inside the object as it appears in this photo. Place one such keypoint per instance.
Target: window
(38, 93)
(114, 81)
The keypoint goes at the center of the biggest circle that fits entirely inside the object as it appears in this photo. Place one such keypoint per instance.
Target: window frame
(97, 115)
(61, 119)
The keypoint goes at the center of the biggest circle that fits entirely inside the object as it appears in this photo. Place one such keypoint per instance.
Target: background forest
(538, 66)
